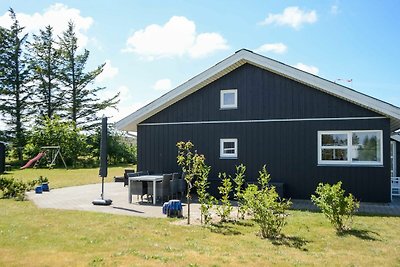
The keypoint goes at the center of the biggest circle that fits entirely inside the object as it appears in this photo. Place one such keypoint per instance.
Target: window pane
(229, 98)
(366, 146)
(334, 139)
(229, 147)
(334, 154)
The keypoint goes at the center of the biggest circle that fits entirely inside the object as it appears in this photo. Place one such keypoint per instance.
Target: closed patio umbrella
(103, 163)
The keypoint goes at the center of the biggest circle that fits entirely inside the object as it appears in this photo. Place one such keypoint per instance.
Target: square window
(229, 99)
(228, 148)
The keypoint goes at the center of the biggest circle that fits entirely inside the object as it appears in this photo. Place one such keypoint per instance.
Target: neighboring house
(395, 155)
(253, 110)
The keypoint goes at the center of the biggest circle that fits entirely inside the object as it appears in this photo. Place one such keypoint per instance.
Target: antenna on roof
(345, 80)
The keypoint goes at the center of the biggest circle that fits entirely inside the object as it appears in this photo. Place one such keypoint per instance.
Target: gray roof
(241, 57)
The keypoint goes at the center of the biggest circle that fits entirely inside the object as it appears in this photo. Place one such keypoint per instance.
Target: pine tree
(45, 65)
(14, 82)
(83, 102)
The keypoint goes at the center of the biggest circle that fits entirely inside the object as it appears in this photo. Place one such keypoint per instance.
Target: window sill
(350, 165)
(228, 157)
(228, 108)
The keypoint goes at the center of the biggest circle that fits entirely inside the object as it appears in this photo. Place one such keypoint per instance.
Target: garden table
(144, 178)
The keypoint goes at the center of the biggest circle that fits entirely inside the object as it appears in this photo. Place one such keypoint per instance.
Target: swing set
(49, 153)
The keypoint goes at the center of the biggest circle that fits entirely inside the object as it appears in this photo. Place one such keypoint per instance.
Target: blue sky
(153, 46)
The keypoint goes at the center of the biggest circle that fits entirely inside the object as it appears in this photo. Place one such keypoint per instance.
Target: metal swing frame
(48, 149)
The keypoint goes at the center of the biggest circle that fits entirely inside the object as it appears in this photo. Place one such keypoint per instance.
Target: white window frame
(226, 106)
(222, 153)
(348, 147)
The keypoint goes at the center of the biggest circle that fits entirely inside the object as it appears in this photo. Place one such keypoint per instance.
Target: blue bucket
(38, 189)
(45, 187)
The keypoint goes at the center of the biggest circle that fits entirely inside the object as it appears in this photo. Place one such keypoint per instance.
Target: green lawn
(45, 237)
(62, 178)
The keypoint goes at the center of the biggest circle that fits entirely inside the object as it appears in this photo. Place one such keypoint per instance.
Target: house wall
(2, 157)
(288, 148)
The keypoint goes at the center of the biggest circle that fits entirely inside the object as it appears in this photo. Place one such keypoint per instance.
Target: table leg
(154, 192)
(129, 191)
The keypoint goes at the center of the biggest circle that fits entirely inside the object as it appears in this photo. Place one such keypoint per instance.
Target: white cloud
(177, 37)
(311, 69)
(109, 72)
(292, 16)
(57, 15)
(206, 43)
(162, 85)
(277, 48)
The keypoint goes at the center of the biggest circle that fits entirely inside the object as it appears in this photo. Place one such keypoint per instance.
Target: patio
(81, 197)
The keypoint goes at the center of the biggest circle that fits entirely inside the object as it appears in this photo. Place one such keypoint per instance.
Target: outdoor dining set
(155, 186)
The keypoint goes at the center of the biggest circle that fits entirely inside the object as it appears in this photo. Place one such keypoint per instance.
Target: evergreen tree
(46, 70)
(81, 95)
(14, 81)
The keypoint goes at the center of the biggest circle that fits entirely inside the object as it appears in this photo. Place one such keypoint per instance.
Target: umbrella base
(102, 202)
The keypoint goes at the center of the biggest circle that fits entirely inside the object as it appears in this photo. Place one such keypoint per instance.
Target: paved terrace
(81, 197)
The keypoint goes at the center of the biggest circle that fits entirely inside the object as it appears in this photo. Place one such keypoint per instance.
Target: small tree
(205, 199)
(239, 182)
(225, 209)
(191, 164)
(335, 206)
(268, 209)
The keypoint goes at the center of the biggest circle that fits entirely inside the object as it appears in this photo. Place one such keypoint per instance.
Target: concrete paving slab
(81, 197)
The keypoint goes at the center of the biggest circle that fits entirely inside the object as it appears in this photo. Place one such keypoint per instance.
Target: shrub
(225, 209)
(12, 188)
(205, 199)
(338, 208)
(239, 182)
(268, 210)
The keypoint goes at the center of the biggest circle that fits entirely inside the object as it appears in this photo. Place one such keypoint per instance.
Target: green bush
(268, 210)
(224, 210)
(338, 208)
(239, 183)
(55, 132)
(11, 188)
(205, 199)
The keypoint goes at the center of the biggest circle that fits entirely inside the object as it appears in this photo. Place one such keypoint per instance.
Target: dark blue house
(253, 110)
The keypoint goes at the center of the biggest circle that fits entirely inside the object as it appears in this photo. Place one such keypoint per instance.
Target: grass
(62, 178)
(40, 237)
(45, 237)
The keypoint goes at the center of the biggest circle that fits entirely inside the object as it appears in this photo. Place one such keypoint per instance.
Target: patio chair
(138, 188)
(127, 171)
(163, 189)
(182, 185)
(174, 184)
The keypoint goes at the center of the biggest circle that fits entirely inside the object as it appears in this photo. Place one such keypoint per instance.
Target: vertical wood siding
(289, 149)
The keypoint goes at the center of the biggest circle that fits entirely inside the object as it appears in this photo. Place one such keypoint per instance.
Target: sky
(151, 47)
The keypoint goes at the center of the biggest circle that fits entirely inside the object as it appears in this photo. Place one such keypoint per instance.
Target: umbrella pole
(102, 187)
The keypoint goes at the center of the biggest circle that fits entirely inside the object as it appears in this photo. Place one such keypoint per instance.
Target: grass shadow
(361, 234)
(222, 228)
(291, 241)
(245, 223)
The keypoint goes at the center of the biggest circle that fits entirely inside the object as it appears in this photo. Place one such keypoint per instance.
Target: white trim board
(242, 57)
(257, 121)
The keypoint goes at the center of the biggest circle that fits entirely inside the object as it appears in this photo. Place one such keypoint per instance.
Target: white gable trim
(238, 59)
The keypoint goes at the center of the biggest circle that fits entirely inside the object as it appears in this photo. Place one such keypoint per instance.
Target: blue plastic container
(38, 189)
(45, 187)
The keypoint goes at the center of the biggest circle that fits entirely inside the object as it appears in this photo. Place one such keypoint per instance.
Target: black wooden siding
(2, 157)
(289, 149)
